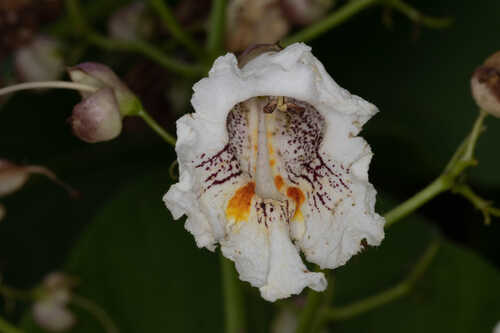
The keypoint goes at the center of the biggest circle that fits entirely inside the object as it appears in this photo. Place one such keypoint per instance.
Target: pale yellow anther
(281, 103)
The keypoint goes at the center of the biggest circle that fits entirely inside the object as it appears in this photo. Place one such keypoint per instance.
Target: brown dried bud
(253, 22)
(40, 60)
(131, 23)
(485, 85)
(304, 12)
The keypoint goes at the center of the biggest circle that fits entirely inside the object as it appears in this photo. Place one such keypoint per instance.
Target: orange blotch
(278, 181)
(271, 149)
(298, 197)
(239, 205)
(272, 162)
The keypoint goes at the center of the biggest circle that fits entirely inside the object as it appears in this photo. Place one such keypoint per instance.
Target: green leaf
(144, 268)
(419, 79)
(458, 293)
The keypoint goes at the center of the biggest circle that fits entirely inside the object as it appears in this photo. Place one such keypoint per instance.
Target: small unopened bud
(50, 311)
(254, 22)
(305, 12)
(101, 76)
(485, 85)
(130, 23)
(53, 315)
(13, 177)
(97, 117)
(40, 60)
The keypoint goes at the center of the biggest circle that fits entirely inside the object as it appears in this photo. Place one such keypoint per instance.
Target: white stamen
(47, 84)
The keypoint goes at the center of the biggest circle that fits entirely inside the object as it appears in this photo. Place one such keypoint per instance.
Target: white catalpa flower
(270, 164)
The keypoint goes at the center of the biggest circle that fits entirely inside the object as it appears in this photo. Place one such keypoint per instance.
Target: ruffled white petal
(325, 203)
(287, 275)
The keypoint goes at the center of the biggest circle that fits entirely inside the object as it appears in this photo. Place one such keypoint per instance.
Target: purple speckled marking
(297, 140)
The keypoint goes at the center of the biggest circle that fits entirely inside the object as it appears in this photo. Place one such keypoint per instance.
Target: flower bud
(53, 315)
(305, 12)
(130, 23)
(13, 177)
(41, 60)
(97, 117)
(50, 310)
(101, 76)
(253, 22)
(485, 85)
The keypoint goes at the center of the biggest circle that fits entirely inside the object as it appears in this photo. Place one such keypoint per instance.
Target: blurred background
(144, 269)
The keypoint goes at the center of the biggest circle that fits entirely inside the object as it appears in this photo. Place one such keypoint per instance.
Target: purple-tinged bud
(101, 76)
(13, 177)
(304, 12)
(40, 60)
(254, 22)
(485, 85)
(97, 117)
(130, 23)
(50, 311)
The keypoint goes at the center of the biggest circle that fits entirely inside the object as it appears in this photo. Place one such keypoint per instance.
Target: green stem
(409, 206)
(414, 15)
(169, 138)
(479, 203)
(174, 28)
(477, 129)
(370, 303)
(76, 15)
(338, 17)
(400, 290)
(6, 327)
(93, 10)
(319, 323)
(16, 294)
(461, 160)
(149, 51)
(307, 316)
(96, 311)
(352, 8)
(215, 40)
(233, 298)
